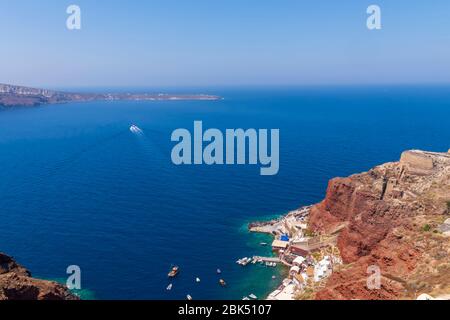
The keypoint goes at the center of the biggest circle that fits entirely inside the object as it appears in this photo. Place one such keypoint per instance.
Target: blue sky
(223, 42)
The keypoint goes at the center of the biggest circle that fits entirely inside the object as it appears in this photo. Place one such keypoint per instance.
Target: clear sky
(223, 42)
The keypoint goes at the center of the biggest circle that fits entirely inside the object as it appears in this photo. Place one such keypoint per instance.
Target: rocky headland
(16, 283)
(19, 96)
(395, 217)
(390, 224)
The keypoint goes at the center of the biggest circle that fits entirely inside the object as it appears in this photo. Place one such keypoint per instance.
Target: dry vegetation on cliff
(16, 283)
(390, 218)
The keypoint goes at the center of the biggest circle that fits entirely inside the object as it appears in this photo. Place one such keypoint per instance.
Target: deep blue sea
(78, 188)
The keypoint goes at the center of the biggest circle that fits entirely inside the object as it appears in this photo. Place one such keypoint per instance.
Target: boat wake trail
(65, 164)
(151, 143)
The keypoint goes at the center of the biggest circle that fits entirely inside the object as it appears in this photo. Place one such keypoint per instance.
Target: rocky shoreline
(394, 218)
(16, 283)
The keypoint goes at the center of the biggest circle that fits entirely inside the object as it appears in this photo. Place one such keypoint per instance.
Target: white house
(294, 270)
(298, 261)
(323, 269)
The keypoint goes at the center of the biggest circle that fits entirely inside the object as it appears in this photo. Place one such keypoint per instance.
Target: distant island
(19, 96)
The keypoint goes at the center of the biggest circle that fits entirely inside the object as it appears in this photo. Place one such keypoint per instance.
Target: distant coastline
(20, 96)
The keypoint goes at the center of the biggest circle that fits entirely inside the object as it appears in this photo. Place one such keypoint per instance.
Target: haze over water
(77, 187)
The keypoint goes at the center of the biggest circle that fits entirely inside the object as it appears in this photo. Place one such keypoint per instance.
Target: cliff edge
(394, 217)
(16, 283)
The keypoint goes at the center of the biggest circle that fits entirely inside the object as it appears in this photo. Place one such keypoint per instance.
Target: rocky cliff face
(16, 283)
(389, 217)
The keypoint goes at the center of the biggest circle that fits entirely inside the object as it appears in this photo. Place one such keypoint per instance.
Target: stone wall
(417, 160)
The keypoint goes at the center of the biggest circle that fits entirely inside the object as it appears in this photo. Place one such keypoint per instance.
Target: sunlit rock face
(389, 217)
(16, 283)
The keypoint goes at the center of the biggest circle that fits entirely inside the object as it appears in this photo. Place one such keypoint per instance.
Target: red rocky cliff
(386, 217)
(16, 283)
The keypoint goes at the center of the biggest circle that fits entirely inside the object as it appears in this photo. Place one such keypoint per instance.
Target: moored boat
(244, 261)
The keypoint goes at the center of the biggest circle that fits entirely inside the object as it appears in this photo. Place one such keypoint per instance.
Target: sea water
(77, 187)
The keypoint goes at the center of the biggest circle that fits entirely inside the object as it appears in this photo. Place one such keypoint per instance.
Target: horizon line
(234, 86)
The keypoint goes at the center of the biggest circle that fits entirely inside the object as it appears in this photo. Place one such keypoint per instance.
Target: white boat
(197, 280)
(245, 298)
(135, 129)
(189, 297)
(219, 271)
(169, 287)
(244, 261)
(252, 296)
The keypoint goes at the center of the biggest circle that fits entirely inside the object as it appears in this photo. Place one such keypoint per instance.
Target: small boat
(169, 287)
(222, 282)
(189, 297)
(219, 271)
(252, 296)
(173, 273)
(274, 277)
(264, 244)
(197, 280)
(245, 298)
(135, 129)
(244, 261)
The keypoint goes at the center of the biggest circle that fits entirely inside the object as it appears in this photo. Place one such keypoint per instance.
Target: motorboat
(173, 273)
(135, 129)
